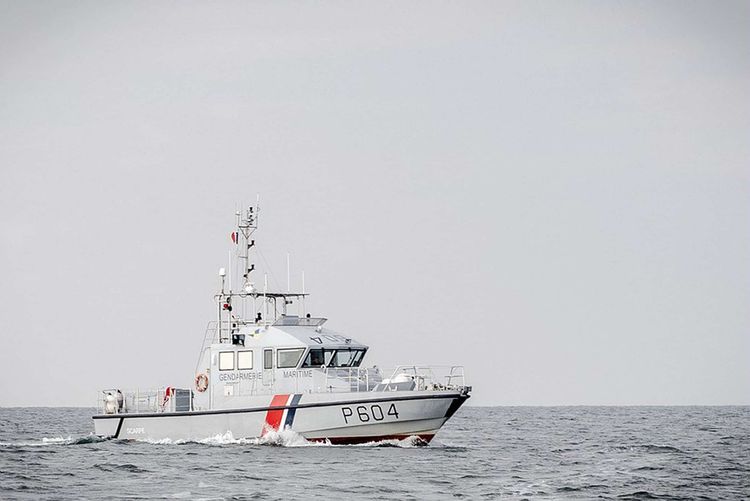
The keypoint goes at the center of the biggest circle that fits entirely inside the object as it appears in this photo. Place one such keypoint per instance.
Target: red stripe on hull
(273, 416)
(363, 440)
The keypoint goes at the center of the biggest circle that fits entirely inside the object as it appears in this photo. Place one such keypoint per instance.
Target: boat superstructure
(267, 365)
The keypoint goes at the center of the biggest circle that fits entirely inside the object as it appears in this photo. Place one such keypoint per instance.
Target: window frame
(287, 350)
(309, 355)
(359, 357)
(350, 353)
(333, 353)
(252, 362)
(234, 364)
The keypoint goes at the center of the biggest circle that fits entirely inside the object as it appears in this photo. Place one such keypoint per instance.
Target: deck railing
(426, 377)
(355, 379)
(324, 380)
(138, 400)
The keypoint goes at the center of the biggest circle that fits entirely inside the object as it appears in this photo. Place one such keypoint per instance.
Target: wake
(285, 438)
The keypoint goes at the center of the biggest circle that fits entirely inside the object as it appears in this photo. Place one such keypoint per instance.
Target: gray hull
(353, 418)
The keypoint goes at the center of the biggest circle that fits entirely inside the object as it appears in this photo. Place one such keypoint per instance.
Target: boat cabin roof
(292, 334)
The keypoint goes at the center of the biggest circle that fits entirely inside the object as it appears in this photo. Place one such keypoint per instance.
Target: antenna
(247, 223)
(265, 301)
(220, 300)
(288, 277)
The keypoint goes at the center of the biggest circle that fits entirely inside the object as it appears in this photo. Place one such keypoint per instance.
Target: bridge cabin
(292, 355)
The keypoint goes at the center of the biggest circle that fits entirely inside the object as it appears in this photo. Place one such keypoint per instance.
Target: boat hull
(336, 418)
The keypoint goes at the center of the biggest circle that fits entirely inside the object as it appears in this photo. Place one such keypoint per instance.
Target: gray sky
(554, 194)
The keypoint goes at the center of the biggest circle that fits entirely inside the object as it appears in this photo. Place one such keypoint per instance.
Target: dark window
(314, 358)
(318, 357)
(268, 359)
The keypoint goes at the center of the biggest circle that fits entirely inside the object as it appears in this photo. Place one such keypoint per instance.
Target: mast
(220, 303)
(246, 225)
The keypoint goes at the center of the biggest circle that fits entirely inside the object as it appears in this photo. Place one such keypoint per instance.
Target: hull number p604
(367, 413)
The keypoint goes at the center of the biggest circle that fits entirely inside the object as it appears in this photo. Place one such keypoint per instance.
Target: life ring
(201, 382)
(167, 393)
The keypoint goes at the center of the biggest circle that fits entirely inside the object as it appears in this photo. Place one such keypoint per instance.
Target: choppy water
(482, 453)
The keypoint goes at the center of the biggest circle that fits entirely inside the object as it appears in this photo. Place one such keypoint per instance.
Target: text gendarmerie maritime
(253, 375)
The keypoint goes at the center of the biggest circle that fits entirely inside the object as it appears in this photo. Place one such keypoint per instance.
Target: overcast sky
(554, 194)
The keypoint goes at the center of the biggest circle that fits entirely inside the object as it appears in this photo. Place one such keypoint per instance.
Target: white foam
(39, 443)
(405, 443)
(182, 495)
(57, 440)
(285, 438)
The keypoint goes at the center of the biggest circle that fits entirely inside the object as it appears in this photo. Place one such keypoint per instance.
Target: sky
(553, 194)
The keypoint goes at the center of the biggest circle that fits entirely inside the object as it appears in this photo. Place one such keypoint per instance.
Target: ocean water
(482, 453)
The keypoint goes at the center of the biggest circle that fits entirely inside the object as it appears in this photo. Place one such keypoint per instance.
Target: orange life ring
(167, 393)
(201, 382)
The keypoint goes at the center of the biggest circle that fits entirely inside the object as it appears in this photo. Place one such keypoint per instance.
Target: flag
(235, 237)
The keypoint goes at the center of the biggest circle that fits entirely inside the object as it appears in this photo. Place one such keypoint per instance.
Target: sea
(481, 453)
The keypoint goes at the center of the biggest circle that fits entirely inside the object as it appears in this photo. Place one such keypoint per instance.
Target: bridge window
(314, 359)
(244, 360)
(358, 358)
(289, 358)
(344, 358)
(318, 357)
(268, 359)
(226, 360)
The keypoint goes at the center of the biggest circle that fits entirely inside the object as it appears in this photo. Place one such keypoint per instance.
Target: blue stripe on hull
(292, 411)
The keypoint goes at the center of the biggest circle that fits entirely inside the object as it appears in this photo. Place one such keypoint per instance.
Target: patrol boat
(262, 370)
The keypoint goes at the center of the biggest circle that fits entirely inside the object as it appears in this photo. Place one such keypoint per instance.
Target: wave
(408, 442)
(113, 468)
(46, 441)
(662, 448)
(285, 438)
(651, 448)
(638, 495)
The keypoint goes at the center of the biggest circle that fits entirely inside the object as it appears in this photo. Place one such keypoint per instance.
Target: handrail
(357, 378)
(323, 380)
(425, 376)
(153, 400)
